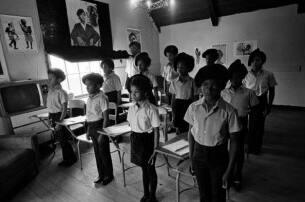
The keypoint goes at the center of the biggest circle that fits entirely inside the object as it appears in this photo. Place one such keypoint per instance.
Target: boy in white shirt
(97, 118)
(57, 101)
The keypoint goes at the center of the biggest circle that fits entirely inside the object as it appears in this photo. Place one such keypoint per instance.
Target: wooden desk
(72, 121)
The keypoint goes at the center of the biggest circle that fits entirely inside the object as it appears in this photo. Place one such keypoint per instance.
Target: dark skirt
(179, 109)
(141, 148)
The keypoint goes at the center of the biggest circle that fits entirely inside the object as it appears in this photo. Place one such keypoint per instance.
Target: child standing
(243, 100)
(57, 101)
(112, 84)
(131, 67)
(144, 121)
(212, 121)
(182, 90)
(263, 83)
(168, 72)
(97, 118)
(143, 62)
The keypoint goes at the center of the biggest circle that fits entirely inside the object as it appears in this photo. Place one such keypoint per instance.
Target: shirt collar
(143, 104)
(187, 79)
(56, 87)
(92, 96)
(218, 103)
(109, 75)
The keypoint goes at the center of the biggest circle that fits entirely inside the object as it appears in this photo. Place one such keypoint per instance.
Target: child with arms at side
(243, 100)
(112, 84)
(97, 118)
(144, 121)
(57, 101)
(182, 90)
(212, 121)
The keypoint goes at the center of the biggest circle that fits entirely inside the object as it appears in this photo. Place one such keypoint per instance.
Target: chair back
(76, 107)
(113, 112)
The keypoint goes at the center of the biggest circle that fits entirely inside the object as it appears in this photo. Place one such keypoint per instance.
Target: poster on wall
(133, 35)
(244, 48)
(222, 52)
(19, 33)
(3, 69)
(83, 21)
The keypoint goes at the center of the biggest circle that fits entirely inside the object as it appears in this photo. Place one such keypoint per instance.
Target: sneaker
(144, 199)
(107, 180)
(98, 180)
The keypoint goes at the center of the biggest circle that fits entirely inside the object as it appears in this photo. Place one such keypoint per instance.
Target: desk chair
(125, 97)
(76, 108)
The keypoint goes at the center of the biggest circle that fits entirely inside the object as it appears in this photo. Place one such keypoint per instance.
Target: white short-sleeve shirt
(212, 128)
(111, 83)
(131, 68)
(96, 105)
(56, 99)
(151, 77)
(242, 99)
(261, 82)
(143, 118)
(183, 90)
(169, 73)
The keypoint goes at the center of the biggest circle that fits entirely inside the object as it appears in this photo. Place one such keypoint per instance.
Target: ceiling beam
(212, 11)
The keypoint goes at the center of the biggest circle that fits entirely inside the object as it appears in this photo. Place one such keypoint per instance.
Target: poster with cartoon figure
(18, 33)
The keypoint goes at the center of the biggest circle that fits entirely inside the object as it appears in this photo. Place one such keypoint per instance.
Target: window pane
(84, 67)
(95, 67)
(65, 86)
(71, 67)
(75, 84)
(57, 62)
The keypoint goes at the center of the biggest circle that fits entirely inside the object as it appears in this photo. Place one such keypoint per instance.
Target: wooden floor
(278, 175)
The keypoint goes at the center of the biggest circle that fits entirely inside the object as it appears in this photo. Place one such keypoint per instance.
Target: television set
(21, 97)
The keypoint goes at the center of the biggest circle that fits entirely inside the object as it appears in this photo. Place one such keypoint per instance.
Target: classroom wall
(123, 15)
(280, 33)
(29, 65)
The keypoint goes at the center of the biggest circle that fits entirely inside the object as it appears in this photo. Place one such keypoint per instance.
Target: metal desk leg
(178, 187)
(123, 169)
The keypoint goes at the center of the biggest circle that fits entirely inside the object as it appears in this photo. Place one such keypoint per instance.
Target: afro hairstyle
(142, 83)
(96, 78)
(214, 71)
(188, 60)
(109, 62)
(144, 57)
(237, 67)
(58, 73)
(79, 12)
(213, 52)
(171, 49)
(257, 52)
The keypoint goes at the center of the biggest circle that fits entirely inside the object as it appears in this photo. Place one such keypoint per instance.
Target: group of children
(209, 108)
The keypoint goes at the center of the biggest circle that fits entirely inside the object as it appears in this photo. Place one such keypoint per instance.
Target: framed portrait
(133, 35)
(83, 23)
(3, 68)
(222, 51)
(18, 33)
(244, 48)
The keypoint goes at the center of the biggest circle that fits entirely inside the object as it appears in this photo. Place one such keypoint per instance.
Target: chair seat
(83, 138)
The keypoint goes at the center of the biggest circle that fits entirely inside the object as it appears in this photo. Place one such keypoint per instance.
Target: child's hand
(88, 137)
(151, 159)
(225, 179)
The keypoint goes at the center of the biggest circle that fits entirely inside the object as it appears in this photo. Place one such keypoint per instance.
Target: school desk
(113, 132)
(183, 162)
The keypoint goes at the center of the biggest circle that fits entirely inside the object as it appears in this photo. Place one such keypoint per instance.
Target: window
(74, 73)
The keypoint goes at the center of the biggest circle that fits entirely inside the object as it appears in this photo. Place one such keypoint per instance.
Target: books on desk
(180, 147)
(73, 120)
(116, 130)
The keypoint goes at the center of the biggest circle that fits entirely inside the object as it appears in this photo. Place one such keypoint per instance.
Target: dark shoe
(98, 180)
(237, 185)
(67, 163)
(107, 180)
(62, 163)
(152, 199)
(144, 199)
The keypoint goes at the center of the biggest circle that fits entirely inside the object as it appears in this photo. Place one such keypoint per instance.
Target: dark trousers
(179, 109)
(64, 137)
(142, 147)
(240, 157)
(257, 126)
(101, 147)
(209, 165)
(112, 96)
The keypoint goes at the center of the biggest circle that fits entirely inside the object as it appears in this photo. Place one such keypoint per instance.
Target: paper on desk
(180, 147)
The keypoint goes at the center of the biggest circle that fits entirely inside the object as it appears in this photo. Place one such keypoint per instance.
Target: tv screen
(20, 98)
